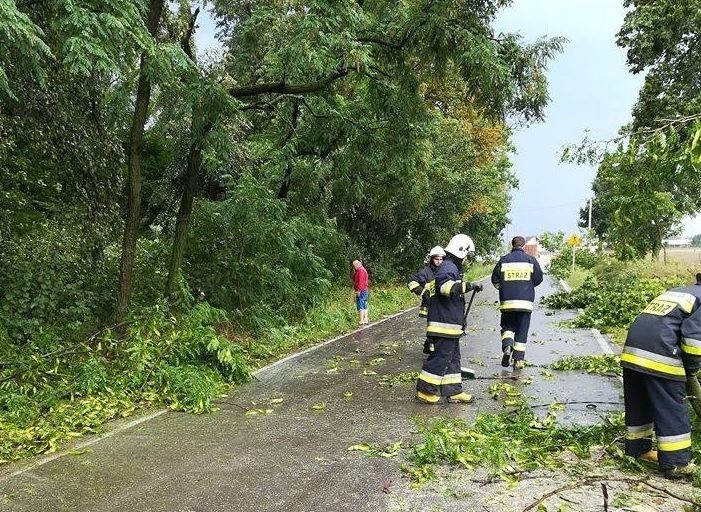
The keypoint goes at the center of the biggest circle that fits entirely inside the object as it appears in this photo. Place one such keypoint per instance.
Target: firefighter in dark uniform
(663, 346)
(515, 276)
(423, 284)
(440, 374)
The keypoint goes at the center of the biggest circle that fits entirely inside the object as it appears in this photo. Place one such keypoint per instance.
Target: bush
(615, 293)
(561, 264)
(250, 259)
(51, 283)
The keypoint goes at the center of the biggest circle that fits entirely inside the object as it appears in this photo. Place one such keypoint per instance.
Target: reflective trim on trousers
(639, 431)
(516, 305)
(430, 378)
(443, 329)
(674, 443)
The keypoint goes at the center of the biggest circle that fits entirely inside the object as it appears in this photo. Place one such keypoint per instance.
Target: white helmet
(461, 246)
(436, 251)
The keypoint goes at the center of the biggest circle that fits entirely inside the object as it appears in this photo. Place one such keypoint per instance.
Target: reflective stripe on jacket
(422, 283)
(516, 275)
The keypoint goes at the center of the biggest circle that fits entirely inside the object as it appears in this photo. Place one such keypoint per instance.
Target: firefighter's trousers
(440, 374)
(514, 332)
(659, 404)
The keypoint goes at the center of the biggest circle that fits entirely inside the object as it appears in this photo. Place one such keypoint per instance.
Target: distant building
(677, 242)
(532, 246)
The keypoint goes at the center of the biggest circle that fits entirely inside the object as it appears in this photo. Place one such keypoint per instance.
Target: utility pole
(590, 200)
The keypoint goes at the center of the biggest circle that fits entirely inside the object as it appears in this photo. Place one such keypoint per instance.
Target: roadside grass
(577, 277)
(337, 316)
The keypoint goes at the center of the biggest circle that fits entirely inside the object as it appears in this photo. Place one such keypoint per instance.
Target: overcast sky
(591, 89)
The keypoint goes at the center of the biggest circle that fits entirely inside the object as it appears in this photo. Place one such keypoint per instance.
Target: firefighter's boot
(427, 398)
(506, 357)
(649, 456)
(460, 398)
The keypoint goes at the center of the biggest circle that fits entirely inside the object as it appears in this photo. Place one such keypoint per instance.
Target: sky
(591, 93)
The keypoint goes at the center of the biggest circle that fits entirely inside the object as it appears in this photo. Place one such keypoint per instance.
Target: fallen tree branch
(592, 480)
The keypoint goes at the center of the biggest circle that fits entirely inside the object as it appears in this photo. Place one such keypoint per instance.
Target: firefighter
(440, 374)
(422, 284)
(663, 346)
(515, 276)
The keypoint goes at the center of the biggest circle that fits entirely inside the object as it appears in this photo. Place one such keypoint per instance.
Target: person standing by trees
(362, 290)
(440, 374)
(423, 284)
(663, 346)
(515, 276)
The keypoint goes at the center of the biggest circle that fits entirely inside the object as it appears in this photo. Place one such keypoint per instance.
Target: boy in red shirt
(362, 293)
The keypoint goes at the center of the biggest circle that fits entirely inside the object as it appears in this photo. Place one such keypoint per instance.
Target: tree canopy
(649, 180)
(324, 131)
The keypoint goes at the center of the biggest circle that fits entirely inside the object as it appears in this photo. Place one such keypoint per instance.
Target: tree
(661, 38)
(649, 181)
(136, 135)
(552, 242)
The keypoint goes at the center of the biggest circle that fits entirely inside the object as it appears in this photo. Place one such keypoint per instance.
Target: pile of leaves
(604, 364)
(509, 445)
(51, 393)
(615, 293)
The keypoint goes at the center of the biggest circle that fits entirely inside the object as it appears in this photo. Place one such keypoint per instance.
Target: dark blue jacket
(423, 283)
(516, 275)
(665, 339)
(447, 308)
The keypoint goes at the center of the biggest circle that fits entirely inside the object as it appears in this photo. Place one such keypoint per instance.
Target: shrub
(615, 293)
(249, 258)
(561, 264)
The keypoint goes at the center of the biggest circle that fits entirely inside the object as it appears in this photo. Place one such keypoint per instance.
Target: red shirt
(360, 279)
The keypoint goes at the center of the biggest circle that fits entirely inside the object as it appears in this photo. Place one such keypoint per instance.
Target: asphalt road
(293, 454)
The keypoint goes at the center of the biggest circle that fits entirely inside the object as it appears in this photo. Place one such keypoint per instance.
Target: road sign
(574, 240)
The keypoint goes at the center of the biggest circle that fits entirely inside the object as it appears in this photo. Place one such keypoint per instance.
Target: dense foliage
(615, 292)
(179, 205)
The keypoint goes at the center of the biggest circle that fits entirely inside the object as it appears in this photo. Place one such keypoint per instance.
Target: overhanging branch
(283, 87)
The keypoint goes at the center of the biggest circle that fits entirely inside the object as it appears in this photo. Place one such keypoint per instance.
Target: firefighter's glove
(426, 292)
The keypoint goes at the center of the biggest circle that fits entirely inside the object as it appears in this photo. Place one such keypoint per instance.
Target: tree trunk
(136, 135)
(198, 133)
(200, 130)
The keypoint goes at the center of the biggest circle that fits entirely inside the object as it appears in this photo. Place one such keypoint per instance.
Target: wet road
(292, 454)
